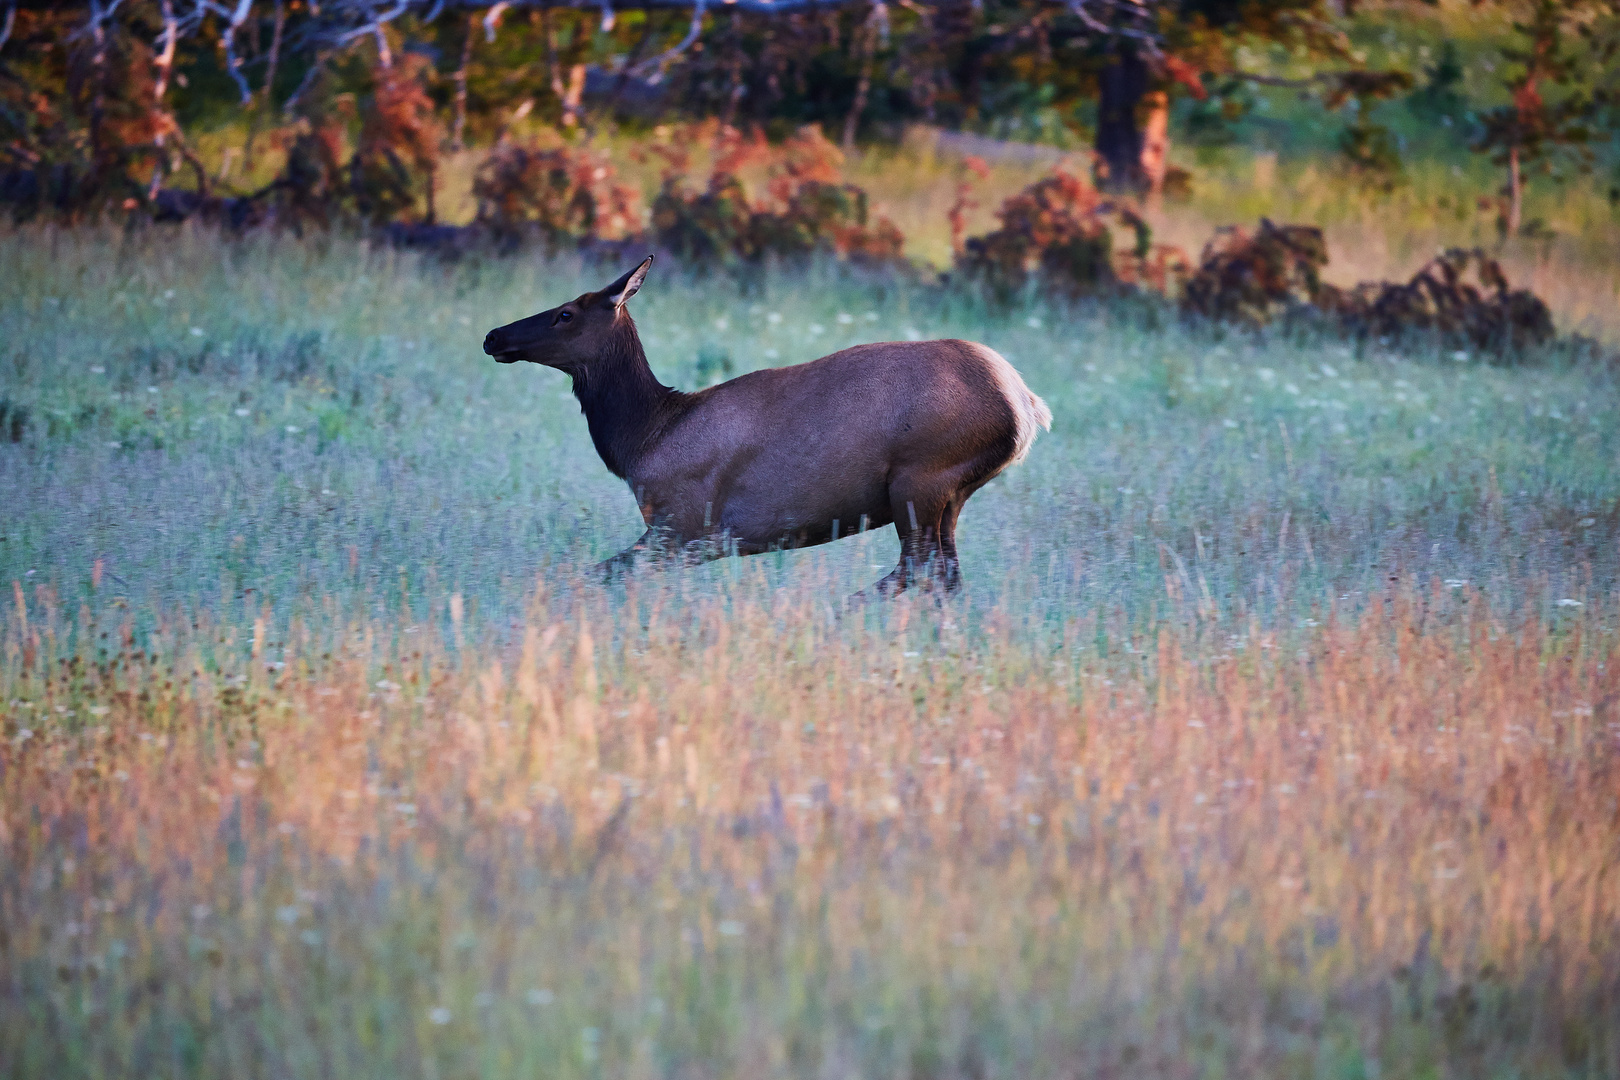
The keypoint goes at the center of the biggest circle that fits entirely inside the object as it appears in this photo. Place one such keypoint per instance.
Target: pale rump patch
(1031, 412)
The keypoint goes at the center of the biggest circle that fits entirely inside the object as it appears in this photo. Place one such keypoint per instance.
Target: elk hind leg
(949, 568)
(918, 512)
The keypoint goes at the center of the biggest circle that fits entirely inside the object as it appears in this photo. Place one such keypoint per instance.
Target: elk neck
(625, 405)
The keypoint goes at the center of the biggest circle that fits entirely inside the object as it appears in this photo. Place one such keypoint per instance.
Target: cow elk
(894, 433)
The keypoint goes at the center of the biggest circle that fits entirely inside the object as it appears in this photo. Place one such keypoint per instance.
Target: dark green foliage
(1372, 152)
(1214, 121)
(1441, 96)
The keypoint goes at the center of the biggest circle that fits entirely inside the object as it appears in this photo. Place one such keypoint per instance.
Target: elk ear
(627, 286)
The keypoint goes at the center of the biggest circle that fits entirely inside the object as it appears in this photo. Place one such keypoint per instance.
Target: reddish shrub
(1250, 279)
(1059, 231)
(808, 210)
(393, 163)
(398, 151)
(957, 214)
(1439, 300)
(561, 194)
(712, 226)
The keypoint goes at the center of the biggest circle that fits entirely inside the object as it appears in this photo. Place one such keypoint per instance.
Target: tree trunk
(553, 69)
(573, 95)
(868, 48)
(1122, 85)
(1155, 160)
(161, 122)
(1515, 207)
(458, 127)
(268, 89)
(735, 94)
(164, 60)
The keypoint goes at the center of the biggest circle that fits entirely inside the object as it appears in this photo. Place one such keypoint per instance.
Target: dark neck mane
(624, 404)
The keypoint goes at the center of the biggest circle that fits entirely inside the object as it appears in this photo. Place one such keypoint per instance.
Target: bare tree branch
(100, 15)
(492, 20)
(234, 18)
(1132, 19)
(657, 64)
(165, 57)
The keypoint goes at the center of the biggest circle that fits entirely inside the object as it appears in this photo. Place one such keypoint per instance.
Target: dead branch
(657, 64)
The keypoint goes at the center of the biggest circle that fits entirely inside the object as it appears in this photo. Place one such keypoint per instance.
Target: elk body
(896, 433)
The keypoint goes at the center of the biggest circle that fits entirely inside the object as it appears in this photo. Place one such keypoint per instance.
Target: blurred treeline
(103, 102)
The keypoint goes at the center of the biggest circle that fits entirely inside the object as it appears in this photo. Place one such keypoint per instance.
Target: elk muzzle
(497, 345)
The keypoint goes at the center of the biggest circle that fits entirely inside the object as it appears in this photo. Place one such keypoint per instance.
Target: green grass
(1274, 734)
(281, 404)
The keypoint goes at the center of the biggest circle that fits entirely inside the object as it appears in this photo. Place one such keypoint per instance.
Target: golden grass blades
(737, 835)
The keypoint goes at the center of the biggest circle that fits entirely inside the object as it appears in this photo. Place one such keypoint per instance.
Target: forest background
(698, 127)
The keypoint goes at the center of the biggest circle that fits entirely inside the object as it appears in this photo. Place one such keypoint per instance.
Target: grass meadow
(1276, 734)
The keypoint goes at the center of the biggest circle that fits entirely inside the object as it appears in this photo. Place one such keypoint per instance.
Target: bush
(560, 194)
(1440, 302)
(1058, 230)
(396, 157)
(713, 226)
(1253, 279)
(311, 185)
(399, 144)
(808, 209)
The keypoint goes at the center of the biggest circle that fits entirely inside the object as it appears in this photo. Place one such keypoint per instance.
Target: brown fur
(895, 433)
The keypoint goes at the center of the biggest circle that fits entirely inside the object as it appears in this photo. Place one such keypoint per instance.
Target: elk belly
(800, 514)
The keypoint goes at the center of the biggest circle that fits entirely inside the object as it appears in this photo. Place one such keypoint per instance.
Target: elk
(898, 433)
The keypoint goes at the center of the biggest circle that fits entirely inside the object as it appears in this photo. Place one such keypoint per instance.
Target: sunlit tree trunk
(573, 95)
(164, 62)
(1155, 160)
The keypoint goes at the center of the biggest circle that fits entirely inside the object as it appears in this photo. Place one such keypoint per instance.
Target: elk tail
(1030, 413)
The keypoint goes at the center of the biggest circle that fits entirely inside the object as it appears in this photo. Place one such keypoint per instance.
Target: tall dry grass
(735, 834)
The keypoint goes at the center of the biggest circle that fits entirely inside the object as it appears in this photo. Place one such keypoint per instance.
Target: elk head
(571, 336)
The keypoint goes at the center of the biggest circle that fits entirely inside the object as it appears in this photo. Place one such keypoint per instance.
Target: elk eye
(564, 316)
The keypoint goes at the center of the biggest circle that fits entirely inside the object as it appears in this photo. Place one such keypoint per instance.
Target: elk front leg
(650, 543)
(664, 548)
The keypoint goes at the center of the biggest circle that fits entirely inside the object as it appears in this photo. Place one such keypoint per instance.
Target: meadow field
(1276, 733)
